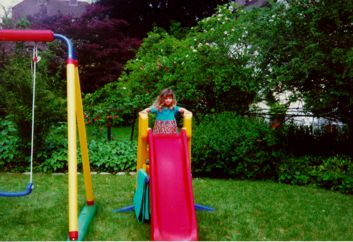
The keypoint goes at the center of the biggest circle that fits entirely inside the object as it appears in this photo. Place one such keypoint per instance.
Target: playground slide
(172, 202)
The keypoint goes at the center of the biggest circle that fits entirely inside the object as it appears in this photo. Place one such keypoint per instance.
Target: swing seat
(26, 192)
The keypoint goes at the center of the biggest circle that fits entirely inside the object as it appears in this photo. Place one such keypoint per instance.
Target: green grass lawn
(245, 210)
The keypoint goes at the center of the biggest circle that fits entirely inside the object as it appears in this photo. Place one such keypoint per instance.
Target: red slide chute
(172, 201)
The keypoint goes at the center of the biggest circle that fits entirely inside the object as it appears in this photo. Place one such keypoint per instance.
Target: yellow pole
(142, 140)
(72, 150)
(188, 128)
(83, 141)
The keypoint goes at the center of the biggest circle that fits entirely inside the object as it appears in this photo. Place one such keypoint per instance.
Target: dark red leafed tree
(143, 15)
(102, 44)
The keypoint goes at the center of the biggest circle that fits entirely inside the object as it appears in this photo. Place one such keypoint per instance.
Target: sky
(7, 4)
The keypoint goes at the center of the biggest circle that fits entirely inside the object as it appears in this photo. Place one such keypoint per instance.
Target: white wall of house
(296, 114)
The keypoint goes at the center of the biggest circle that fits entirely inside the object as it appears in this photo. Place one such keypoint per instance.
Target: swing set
(78, 223)
(29, 187)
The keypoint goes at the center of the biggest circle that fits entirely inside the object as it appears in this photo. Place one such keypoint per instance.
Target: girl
(165, 107)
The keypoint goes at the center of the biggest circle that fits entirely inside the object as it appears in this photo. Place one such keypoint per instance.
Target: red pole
(26, 35)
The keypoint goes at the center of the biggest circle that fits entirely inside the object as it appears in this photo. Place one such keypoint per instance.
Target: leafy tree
(101, 43)
(306, 48)
(210, 68)
(7, 23)
(16, 98)
(114, 99)
(238, 55)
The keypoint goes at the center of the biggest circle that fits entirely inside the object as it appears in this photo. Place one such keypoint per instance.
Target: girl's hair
(159, 102)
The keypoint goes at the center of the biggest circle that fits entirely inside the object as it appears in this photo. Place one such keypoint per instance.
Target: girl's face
(168, 101)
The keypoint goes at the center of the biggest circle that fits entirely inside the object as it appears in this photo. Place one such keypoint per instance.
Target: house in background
(254, 3)
(49, 8)
(76, 8)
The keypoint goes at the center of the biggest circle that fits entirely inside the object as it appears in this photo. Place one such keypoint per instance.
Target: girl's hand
(146, 110)
(183, 110)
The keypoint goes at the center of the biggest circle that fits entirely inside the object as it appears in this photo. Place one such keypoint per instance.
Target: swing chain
(35, 60)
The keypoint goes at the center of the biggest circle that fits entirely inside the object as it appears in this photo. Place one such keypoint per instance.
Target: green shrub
(57, 162)
(53, 157)
(298, 171)
(107, 156)
(113, 156)
(16, 92)
(9, 143)
(333, 173)
(336, 173)
(229, 145)
(104, 155)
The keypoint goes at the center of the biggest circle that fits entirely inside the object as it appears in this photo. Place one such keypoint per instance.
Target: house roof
(49, 8)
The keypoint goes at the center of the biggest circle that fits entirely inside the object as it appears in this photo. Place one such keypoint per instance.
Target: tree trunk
(350, 137)
(132, 129)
